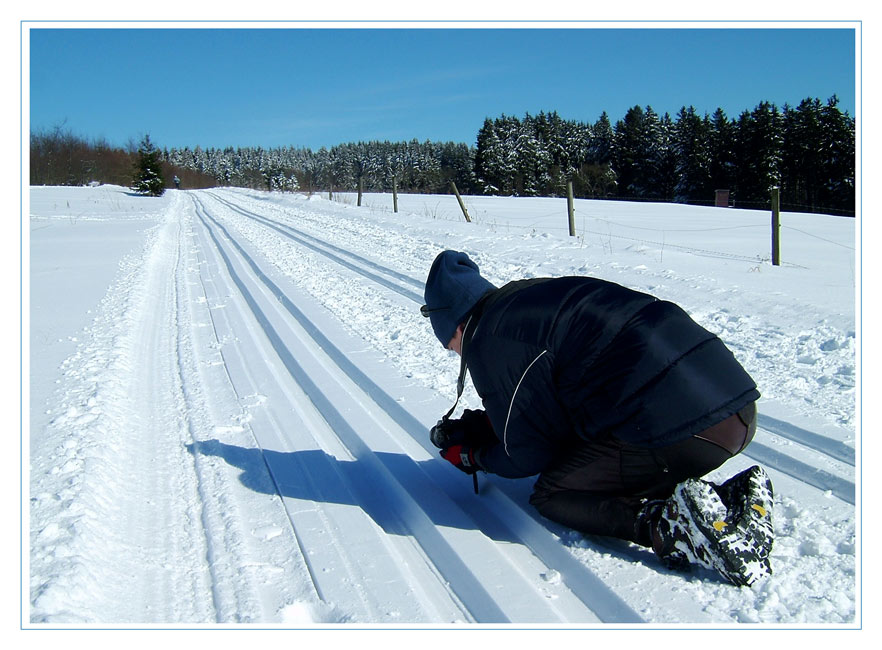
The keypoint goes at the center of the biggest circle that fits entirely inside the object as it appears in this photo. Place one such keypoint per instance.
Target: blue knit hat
(453, 288)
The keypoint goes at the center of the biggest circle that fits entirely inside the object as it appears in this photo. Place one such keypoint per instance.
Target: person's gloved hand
(462, 458)
(472, 429)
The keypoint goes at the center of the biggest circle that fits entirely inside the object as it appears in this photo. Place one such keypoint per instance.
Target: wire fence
(596, 223)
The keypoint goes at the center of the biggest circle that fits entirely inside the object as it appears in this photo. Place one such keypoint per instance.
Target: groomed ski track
(410, 288)
(371, 526)
(430, 541)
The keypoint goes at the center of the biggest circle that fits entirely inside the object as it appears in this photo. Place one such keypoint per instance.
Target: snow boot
(749, 499)
(695, 527)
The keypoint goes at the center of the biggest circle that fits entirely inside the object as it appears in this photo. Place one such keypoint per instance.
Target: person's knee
(539, 499)
(593, 514)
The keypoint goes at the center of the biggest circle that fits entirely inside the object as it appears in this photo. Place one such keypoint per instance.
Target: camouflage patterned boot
(749, 499)
(695, 527)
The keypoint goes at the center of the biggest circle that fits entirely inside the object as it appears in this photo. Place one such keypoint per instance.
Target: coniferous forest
(808, 151)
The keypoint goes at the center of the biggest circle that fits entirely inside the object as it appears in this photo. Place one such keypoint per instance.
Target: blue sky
(317, 87)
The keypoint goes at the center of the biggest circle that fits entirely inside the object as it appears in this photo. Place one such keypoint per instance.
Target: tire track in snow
(595, 594)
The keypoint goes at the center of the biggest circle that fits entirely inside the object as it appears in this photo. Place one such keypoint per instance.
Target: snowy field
(230, 391)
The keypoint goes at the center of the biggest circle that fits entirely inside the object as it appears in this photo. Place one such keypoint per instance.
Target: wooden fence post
(571, 212)
(360, 185)
(776, 226)
(462, 207)
(394, 194)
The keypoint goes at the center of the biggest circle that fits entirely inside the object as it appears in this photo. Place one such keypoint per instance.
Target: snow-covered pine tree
(148, 170)
(818, 157)
(759, 142)
(722, 151)
(664, 168)
(602, 145)
(838, 141)
(692, 157)
(636, 152)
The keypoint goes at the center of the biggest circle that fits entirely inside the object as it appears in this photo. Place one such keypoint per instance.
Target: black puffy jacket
(556, 360)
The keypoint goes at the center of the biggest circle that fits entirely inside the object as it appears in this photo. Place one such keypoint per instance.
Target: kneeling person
(620, 403)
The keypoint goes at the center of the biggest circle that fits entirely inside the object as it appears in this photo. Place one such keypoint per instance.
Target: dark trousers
(599, 486)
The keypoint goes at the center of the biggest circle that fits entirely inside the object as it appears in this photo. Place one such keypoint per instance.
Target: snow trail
(241, 437)
(128, 440)
(449, 552)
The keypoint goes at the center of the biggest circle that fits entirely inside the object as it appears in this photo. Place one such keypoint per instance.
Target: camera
(440, 434)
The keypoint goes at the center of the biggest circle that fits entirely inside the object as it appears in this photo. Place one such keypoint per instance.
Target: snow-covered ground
(230, 393)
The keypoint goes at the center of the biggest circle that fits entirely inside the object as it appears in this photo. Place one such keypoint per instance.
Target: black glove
(472, 429)
(462, 458)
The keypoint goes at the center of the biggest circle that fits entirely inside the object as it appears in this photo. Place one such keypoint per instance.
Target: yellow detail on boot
(759, 509)
(719, 525)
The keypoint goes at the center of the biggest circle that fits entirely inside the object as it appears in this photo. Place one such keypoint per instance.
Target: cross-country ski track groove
(426, 498)
(833, 449)
(331, 437)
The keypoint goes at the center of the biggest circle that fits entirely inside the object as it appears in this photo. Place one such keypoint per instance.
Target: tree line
(808, 151)
(419, 167)
(59, 157)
